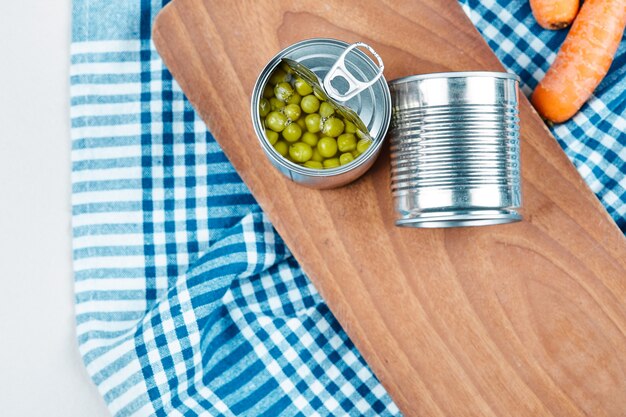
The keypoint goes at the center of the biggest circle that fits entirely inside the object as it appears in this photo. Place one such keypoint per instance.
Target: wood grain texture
(527, 319)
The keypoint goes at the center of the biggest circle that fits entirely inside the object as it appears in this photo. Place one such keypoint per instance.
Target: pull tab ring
(339, 69)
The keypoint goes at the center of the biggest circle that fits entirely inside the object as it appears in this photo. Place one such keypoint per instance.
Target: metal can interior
(372, 105)
(455, 157)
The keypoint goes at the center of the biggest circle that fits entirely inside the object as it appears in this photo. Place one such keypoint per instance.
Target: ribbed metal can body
(455, 149)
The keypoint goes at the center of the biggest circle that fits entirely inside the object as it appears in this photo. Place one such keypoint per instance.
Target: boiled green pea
(268, 91)
(302, 87)
(313, 123)
(331, 163)
(327, 147)
(309, 138)
(310, 104)
(264, 107)
(292, 132)
(281, 147)
(316, 155)
(363, 144)
(300, 152)
(292, 111)
(272, 136)
(294, 99)
(350, 127)
(332, 127)
(301, 123)
(346, 158)
(276, 104)
(276, 121)
(313, 164)
(346, 142)
(285, 67)
(283, 91)
(326, 110)
(279, 76)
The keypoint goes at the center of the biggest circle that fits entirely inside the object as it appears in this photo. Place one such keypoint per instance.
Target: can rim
(281, 160)
(461, 218)
(453, 74)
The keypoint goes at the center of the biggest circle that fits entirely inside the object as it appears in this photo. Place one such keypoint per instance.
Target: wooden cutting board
(527, 319)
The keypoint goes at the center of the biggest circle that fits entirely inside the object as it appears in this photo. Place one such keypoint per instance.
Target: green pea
(283, 91)
(318, 95)
(316, 155)
(350, 127)
(279, 76)
(363, 144)
(313, 123)
(331, 163)
(300, 152)
(292, 111)
(268, 91)
(327, 147)
(294, 99)
(264, 107)
(301, 123)
(346, 158)
(292, 132)
(346, 142)
(326, 110)
(285, 67)
(310, 104)
(276, 104)
(272, 136)
(276, 121)
(302, 87)
(332, 127)
(309, 138)
(313, 164)
(281, 147)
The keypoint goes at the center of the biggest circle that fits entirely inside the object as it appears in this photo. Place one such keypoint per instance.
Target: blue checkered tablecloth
(187, 300)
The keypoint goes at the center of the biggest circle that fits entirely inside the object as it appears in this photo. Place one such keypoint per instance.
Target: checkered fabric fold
(187, 300)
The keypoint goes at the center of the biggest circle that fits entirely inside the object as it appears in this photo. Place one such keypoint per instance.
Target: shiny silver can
(455, 149)
(372, 105)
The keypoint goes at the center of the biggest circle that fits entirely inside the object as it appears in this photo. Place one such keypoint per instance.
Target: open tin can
(367, 98)
(455, 158)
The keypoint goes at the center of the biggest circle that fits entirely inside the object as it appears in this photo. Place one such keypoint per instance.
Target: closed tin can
(455, 157)
(372, 105)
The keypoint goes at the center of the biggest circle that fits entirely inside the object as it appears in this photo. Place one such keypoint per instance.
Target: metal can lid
(355, 86)
(319, 90)
(329, 93)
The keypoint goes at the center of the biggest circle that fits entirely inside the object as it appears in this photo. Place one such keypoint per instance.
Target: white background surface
(41, 373)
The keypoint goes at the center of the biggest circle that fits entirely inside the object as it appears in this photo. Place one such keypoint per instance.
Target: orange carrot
(554, 14)
(582, 61)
